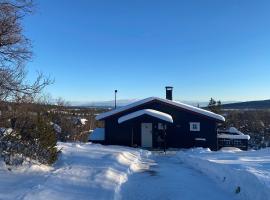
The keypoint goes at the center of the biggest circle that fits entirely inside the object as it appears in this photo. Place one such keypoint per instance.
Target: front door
(146, 135)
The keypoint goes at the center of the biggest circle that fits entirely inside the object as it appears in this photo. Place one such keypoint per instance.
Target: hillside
(263, 104)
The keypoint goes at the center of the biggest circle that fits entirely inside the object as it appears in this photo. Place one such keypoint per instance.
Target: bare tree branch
(15, 51)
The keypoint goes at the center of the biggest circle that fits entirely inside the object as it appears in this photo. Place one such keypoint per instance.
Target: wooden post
(164, 139)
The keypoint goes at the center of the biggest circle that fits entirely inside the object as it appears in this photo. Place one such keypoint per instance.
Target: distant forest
(252, 118)
(256, 123)
(263, 104)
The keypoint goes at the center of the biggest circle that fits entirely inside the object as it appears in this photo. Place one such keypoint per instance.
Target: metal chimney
(169, 90)
(115, 92)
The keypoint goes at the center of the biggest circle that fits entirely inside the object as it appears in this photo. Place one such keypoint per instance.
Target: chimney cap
(169, 87)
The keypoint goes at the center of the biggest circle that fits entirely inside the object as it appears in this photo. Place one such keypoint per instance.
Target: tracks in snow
(171, 179)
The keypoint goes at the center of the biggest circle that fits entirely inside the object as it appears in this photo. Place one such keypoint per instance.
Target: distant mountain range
(123, 102)
(120, 102)
(260, 104)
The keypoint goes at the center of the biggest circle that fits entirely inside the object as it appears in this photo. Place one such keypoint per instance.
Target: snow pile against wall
(246, 174)
(97, 135)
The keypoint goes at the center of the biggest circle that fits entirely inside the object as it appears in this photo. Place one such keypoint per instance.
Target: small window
(224, 142)
(194, 126)
(237, 143)
(162, 126)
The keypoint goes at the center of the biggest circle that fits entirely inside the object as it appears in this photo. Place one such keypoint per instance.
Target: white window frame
(197, 124)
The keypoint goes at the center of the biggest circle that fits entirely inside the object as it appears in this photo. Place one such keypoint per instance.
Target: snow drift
(247, 174)
(83, 171)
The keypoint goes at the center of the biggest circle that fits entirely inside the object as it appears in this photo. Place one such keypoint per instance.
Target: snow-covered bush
(32, 138)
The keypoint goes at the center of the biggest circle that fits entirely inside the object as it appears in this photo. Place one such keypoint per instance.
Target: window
(237, 143)
(224, 142)
(162, 126)
(194, 126)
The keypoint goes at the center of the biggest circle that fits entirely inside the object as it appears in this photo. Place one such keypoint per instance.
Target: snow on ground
(97, 135)
(244, 173)
(84, 171)
(93, 171)
(172, 179)
(16, 183)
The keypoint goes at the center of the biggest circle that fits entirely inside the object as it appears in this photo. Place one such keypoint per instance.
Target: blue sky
(209, 48)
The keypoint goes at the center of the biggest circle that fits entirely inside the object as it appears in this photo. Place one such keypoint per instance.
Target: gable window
(194, 126)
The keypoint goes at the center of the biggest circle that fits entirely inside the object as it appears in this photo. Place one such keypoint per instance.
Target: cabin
(161, 123)
(232, 138)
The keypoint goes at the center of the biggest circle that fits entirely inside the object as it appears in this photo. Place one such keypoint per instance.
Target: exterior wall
(129, 133)
(178, 133)
(239, 143)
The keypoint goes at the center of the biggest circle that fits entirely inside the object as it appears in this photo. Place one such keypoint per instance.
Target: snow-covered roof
(229, 136)
(175, 103)
(151, 112)
(97, 135)
(235, 130)
(233, 133)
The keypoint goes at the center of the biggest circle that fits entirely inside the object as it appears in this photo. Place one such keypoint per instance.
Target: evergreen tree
(214, 106)
(46, 141)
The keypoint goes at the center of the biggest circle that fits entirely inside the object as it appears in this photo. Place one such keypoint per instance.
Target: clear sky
(204, 48)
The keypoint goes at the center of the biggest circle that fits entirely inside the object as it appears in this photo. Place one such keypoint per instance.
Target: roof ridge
(175, 103)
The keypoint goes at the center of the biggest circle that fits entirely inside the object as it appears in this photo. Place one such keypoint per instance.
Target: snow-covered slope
(244, 173)
(84, 171)
(93, 171)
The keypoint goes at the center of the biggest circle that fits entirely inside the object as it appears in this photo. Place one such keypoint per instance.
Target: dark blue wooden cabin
(155, 122)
